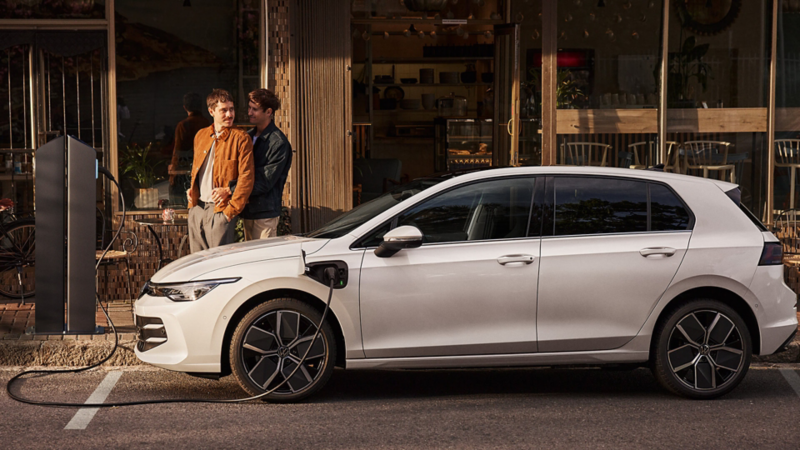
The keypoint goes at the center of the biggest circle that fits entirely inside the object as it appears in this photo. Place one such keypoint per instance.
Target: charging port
(317, 271)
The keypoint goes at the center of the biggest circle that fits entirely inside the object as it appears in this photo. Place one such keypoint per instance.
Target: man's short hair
(216, 96)
(265, 99)
(192, 102)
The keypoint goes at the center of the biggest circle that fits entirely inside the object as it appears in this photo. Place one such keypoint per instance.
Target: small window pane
(497, 209)
(599, 205)
(667, 212)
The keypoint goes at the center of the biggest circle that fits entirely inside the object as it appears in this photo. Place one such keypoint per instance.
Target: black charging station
(66, 227)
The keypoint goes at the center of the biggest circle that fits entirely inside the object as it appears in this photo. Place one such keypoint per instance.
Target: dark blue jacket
(272, 158)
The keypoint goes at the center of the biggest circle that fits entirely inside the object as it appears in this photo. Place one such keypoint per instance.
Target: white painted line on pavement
(85, 415)
(793, 379)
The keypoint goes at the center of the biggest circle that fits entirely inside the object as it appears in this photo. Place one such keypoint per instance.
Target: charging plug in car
(325, 271)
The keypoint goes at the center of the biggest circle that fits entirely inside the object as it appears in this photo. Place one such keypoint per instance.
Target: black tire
(18, 257)
(702, 349)
(270, 340)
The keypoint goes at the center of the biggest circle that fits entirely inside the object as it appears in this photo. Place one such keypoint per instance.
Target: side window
(589, 205)
(667, 213)
(497, 209)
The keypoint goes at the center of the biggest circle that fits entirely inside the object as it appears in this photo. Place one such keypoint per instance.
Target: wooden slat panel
(632, 121)
(321, 116)
(787, 119)
(717, 120)
(625, 121)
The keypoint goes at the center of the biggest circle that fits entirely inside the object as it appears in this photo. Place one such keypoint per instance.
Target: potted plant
(140, 167)
(685, 65)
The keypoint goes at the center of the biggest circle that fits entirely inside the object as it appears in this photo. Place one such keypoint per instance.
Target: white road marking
(793, 379)
(85, 415)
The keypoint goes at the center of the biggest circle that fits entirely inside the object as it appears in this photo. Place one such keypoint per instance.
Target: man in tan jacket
(223, 156)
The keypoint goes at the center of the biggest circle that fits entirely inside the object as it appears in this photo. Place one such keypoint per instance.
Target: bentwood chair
(584, 154)
(116, 257)
(645, 154)
(787, 155)
(707, 156)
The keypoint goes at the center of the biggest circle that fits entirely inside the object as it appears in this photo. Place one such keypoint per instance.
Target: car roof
(591, 170)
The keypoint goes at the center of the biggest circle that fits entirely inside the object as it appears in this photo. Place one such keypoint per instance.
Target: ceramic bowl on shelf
(410, 103)
(426, 76)
(408, 80)
(429, 101)
(448, 77)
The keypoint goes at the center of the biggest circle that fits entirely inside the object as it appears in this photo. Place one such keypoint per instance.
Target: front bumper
(178, 335)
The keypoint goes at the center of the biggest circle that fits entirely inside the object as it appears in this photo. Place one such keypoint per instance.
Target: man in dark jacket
(272, 155)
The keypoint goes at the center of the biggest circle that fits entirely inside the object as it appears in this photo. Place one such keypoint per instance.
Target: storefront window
(717, 92)
(607, 84)
(428, 77)
(52, 9)
(787, 103)
(169, 57)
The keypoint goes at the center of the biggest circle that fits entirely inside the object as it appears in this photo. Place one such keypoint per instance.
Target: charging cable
(330, 273)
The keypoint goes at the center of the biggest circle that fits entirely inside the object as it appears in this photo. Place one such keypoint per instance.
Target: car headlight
(184, 292)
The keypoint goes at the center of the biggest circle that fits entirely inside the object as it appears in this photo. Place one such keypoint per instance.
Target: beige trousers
(260, 228)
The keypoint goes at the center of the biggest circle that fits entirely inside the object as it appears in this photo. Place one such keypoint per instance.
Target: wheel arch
(262, 297)
(726, 296)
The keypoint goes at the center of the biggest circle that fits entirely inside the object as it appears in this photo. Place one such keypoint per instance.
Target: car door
(469, 289)
(605, 261)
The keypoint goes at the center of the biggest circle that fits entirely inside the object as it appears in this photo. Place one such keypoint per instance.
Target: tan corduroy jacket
(233, 161)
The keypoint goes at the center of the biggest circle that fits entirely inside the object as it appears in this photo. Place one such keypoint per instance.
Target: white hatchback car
(503, 267)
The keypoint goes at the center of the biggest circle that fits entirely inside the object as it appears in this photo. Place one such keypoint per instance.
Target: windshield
(357, 216)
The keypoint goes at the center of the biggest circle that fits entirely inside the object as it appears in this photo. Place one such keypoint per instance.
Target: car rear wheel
(702, 350)
(269, 343)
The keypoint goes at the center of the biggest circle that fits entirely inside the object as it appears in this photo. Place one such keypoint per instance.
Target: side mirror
(398, 239)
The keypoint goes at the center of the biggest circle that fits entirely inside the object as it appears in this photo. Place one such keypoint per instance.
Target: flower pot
(146, 198)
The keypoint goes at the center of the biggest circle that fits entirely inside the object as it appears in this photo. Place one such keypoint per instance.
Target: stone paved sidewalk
(20, 349)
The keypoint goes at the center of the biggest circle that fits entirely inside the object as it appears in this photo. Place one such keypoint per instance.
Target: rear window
(599, 205)
(735, 195)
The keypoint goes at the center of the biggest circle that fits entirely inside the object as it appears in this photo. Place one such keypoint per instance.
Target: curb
(790, 355)
(66, 353)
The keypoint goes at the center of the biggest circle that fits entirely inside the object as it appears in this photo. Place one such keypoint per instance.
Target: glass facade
(607, 85)
(169, 57)
(717, 92)
(440, 85)
(52, 9)
(787, 104)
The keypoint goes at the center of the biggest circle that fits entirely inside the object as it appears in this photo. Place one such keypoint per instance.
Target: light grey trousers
(208, 229)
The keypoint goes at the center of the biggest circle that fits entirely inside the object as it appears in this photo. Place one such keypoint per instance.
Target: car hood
(196, 264)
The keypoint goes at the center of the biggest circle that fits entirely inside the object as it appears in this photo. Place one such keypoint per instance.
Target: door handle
(657, 251)
(518, 259)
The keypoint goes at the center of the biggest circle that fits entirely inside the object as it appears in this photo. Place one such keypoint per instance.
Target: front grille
(150, 333)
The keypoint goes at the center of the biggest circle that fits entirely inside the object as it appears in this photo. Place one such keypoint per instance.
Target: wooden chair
(641, 150)
(708, 156)
(787, 155)
(584, 154)
(115, 257)
(673, 162)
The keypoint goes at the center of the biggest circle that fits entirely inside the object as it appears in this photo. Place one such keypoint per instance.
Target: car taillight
(772, 255)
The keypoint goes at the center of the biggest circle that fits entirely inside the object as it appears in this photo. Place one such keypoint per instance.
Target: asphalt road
(510, 408)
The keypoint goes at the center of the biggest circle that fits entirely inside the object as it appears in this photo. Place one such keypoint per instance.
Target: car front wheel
(702, 350)
(269, 343)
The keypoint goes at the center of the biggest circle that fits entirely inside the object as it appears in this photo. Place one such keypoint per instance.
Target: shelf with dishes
(405, 85)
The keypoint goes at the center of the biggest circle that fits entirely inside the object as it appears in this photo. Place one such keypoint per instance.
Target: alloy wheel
(274, 345)
(705, 350)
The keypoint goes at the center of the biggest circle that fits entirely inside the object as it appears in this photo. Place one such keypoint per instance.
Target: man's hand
(220, 194)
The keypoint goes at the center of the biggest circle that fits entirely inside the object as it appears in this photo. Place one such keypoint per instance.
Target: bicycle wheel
(17, 259)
